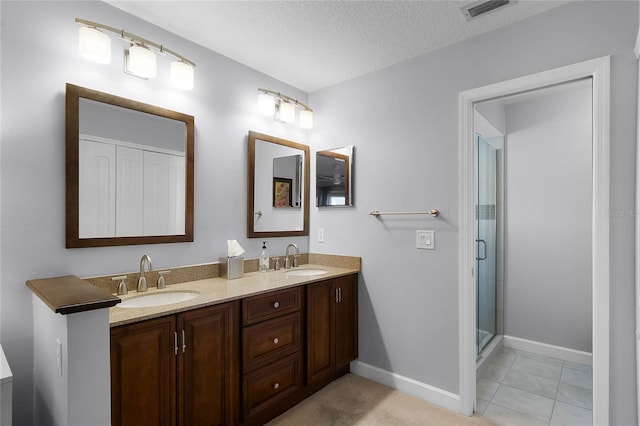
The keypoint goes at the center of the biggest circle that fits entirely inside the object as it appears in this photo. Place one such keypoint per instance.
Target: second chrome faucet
(287, 261)
(142, 281)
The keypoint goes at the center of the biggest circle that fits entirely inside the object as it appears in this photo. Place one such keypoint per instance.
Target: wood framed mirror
(277, 187)
(334, 177)
(129, 171)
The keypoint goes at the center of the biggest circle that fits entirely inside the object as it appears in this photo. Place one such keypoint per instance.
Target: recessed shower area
(533, 198)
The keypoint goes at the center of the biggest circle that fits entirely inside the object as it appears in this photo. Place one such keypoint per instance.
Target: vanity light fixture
(283, 108)
(140, 60)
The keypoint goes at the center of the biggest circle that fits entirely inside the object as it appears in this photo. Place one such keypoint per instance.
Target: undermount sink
(306, 272)
(158, 299)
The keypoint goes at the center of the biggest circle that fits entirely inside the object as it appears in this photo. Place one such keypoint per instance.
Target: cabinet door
(346, 320)
(143, 373)
(208, 365)
(320, 337)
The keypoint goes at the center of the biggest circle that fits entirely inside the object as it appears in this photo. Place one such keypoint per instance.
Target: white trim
(636, 49)
(637, 244)
(407, 385)
(484, 127)
(559, 352)
(598, 70)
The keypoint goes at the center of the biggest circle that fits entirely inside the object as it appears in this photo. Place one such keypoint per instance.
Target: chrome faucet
(287, 262)
(142, 281)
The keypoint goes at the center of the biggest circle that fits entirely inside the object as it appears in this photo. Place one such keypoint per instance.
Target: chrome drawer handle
(276, 304)
(276, 385)
(276, 341)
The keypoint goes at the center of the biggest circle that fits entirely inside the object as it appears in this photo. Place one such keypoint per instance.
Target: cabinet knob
(276, 341)
(276, 304)
(276, 385)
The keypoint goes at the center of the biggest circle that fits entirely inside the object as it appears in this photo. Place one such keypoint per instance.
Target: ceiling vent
(482, 7)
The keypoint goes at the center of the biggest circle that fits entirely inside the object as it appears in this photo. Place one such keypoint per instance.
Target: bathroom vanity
(241, 352)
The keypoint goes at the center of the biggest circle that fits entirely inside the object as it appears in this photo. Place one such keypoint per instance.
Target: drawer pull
(276, 341)
(276, 385)
(276, 304)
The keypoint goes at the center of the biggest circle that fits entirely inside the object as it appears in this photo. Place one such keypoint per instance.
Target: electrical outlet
(425, 240)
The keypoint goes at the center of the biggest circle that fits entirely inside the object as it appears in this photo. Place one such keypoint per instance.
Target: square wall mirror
(129, 171)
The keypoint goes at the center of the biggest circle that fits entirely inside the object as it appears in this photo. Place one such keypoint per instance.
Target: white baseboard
(407, 385)
(548, 350)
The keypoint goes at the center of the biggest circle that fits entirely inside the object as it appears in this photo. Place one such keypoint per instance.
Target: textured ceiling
(314, 44)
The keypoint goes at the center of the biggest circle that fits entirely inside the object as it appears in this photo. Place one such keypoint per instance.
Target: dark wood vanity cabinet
(180, 369)
(332, 328)
(242, 362)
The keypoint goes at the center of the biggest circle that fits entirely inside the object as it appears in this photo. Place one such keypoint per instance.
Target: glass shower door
(486, 198)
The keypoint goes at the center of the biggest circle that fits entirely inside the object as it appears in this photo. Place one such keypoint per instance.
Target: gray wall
(33, 162)
(548, 220)
(403, 121)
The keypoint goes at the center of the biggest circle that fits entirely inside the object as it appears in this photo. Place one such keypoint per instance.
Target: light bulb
(305, 119)
(141, 62)
(287, 112)
(266, 104)
(94, 45)
(182, 75)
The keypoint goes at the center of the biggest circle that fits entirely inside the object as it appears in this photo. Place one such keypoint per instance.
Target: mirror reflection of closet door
(129, 191)
(96, 191)
(486, 253)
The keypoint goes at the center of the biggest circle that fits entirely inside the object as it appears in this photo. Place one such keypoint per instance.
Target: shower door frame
(599, 71)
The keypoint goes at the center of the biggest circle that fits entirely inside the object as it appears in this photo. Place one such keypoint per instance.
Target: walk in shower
(489, 236)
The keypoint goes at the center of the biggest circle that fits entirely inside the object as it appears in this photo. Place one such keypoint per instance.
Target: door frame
(599, 71)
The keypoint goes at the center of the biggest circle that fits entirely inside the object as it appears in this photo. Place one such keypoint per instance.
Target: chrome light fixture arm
(136, 39)
(282, 96)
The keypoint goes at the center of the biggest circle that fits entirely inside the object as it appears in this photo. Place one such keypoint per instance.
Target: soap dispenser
(264, 258)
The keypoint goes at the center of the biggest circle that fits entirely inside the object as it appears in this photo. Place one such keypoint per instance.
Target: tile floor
(522, 388)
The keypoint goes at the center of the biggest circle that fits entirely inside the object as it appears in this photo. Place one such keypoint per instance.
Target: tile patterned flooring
(522, 388)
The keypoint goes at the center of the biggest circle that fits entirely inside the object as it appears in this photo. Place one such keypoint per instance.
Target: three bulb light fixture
(283, 108)
(140, 60)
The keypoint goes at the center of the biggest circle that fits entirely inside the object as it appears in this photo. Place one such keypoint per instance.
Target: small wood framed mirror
(334, 177)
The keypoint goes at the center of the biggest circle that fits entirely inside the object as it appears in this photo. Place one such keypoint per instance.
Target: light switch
(425, 240)
(321, 235)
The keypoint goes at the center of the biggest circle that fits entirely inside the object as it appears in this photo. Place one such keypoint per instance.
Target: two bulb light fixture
(95, 45)
(283, 108)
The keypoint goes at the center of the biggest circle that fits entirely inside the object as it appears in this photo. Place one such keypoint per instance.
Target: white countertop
(218, 290)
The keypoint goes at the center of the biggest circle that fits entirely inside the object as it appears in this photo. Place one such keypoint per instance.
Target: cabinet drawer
(270, 305)
(265, 387)
(270, 340)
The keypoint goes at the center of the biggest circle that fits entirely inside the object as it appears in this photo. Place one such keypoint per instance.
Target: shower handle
(484, 243)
